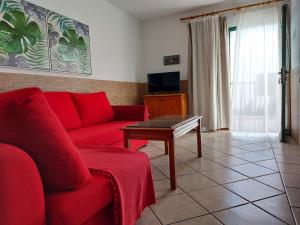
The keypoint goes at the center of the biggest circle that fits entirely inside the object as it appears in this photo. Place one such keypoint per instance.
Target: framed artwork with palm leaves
(36, 38)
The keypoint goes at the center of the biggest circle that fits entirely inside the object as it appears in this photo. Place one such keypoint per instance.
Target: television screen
(164, 82)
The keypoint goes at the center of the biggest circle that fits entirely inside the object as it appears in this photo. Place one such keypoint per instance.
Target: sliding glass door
(255, 62)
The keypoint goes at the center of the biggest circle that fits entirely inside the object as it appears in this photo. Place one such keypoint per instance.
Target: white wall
(162, 37)
(115, 38)
(168, 35)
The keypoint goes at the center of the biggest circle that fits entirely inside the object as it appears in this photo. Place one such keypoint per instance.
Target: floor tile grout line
(247, 178)
(201, 206)
(240, 172)
(248, 162)
(225, 167)
(269, 212)
(211, 213)
(201, 172)
(288, 199)
(261, 199)
(248, 202)
(252, 202)
(161, 223)
(247, 151)
(178, 194)
(265, 166)
(185, 193)
(282, 191)
(244, 174)
(252, 178)
(280, 174)
(192, 218)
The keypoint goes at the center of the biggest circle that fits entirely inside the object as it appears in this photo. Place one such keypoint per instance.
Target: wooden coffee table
(166, 129)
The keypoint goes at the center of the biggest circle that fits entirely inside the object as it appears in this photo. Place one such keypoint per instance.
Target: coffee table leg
(166, 147)
(172, 164)
(199, 141)
(126, 141)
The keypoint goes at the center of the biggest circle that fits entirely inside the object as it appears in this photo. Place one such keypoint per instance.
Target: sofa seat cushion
(93, 108)
(75, 207)
(103, 134)
(28, 122)
(134, 144)
(62, 104)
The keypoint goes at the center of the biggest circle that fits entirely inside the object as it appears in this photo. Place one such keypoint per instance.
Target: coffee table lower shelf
(168, 135)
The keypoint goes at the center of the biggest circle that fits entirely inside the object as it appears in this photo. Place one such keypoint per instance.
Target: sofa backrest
(62, 104)
(93, 108)
(76, 110)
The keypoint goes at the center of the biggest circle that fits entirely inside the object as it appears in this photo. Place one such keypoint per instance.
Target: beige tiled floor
(242, 179)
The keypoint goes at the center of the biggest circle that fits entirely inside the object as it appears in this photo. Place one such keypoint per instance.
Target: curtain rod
(230, 9)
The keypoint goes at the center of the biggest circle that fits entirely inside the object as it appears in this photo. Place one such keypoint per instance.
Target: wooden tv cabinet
(166, 104)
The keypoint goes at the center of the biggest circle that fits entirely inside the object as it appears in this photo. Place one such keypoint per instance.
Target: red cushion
(62, 104)
(104, 216)
(99, 135)
(134, 144)
(21, 189)
(93, 108)
(75, 207)
(28, 122)
(105, 134)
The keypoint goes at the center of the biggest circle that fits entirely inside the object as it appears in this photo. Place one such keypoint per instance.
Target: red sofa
(31, 195)
(103, 129)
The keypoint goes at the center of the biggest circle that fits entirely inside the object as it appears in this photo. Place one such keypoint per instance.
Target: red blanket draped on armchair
(133, 188)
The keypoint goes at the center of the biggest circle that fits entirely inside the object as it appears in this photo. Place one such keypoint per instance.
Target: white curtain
(255, 92)
(209, 73)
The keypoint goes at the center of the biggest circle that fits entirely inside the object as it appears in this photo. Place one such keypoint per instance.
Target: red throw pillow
(28, 122)
(62, 104)
(93, 108)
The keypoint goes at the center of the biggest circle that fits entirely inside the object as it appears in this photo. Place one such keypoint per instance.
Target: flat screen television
(164, 82)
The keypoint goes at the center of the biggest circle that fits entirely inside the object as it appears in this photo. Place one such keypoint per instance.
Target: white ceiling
(149, 9)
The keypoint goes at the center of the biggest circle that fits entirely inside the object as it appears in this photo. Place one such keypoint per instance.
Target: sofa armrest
(21, 189)
(131, 112)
